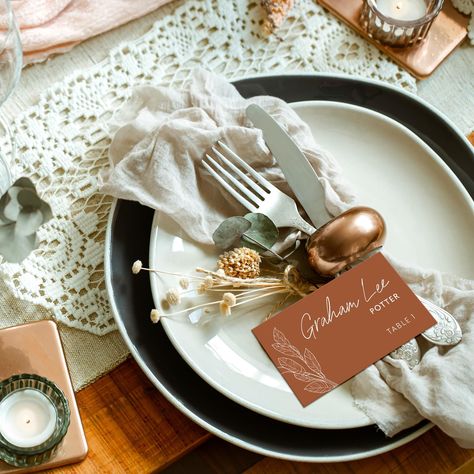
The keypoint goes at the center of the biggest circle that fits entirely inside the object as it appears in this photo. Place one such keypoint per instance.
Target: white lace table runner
(62, 141)
(467, 7)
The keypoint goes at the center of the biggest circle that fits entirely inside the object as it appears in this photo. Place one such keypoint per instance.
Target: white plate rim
(364, 420)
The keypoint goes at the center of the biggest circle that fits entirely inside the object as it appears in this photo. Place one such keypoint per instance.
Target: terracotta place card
(343, 327)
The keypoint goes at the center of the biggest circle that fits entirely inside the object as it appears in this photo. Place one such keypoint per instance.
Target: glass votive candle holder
(34, 418)
(399, 23)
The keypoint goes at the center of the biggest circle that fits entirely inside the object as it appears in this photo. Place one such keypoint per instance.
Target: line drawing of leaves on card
(308, 371)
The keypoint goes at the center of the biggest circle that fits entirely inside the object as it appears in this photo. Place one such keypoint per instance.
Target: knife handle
(300, 224)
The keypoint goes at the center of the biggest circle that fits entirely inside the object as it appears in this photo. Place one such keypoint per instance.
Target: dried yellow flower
(240, 263)
(173, 297)
(184, 283)
(207, 283)
(224, 309)
(154, 316)
(136, 267)
(229, 299)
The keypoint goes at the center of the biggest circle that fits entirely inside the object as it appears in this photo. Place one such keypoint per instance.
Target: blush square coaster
(331, 335)
(35, 348)
(448, 31)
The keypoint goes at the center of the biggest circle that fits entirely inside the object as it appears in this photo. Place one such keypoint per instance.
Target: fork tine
(248, 168)
(256, 187)
(228, 187)
(252, 196)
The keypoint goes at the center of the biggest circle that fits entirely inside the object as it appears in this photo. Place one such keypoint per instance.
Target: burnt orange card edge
(262, 332)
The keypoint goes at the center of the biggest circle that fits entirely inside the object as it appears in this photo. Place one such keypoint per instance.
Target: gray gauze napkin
(159, 138)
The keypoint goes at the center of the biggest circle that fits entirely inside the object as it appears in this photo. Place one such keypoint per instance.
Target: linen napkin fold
(160, 137)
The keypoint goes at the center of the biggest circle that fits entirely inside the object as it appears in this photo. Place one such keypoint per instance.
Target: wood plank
(433, 453)
(215, 455)
(466, 468)
(130, 426)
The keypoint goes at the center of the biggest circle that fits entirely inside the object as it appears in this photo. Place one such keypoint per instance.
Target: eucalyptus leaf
(22, 212)
(24, 183)
(262, 233)
(29, 200)
(28, 222)
(15, 247)
(230, 231)
(12, 207)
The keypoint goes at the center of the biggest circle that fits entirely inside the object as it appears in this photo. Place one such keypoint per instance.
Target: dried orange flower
(240, 263)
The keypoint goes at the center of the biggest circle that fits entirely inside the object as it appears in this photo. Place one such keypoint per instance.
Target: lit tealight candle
(405, 10)
(27, 418)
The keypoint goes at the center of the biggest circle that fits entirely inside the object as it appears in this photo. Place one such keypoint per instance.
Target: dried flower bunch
(235, 283)
(241, 263)
(238, 279)
(277, 11)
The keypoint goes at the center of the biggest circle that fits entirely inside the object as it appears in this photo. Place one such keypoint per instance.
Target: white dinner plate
(430, 221)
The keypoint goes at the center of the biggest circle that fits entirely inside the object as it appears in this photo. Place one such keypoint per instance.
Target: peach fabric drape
(56, 26)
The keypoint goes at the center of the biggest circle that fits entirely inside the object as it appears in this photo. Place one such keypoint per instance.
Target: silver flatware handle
(446, 332)
(301, 224)
(409, 352)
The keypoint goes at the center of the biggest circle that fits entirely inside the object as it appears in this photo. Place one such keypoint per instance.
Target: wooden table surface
(130, 426)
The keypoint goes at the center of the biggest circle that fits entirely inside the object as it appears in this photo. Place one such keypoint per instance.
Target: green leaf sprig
(254, 230)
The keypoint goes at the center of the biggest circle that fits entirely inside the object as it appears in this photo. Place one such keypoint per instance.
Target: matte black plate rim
(181, 406)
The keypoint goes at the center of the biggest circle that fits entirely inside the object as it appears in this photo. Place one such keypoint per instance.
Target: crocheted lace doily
(62, 141)
(467, 7)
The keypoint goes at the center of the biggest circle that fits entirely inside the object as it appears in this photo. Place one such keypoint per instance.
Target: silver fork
(252, 190)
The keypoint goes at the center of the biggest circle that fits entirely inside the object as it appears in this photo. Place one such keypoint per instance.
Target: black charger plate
(128, 237)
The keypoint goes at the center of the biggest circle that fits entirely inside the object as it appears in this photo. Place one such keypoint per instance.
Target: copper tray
(447, 32)
(36, 348)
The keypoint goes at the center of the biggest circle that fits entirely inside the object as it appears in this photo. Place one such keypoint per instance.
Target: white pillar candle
(27, 418)
(406, 10)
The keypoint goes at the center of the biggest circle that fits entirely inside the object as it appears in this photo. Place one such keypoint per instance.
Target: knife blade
(298, 172)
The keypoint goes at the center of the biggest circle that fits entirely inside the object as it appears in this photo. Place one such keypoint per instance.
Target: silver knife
(305, 183)
(298, 172)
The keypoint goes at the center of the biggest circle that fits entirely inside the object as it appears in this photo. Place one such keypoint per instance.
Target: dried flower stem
(235, 291)
(249, 300)
(240, 281)
(202, 305)
(256, 242)
(259, 290)
(239, 289)
(153, 270)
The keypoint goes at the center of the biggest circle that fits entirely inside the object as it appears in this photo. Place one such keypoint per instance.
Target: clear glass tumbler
(10, 69)
(399, 23)
(28, 456)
